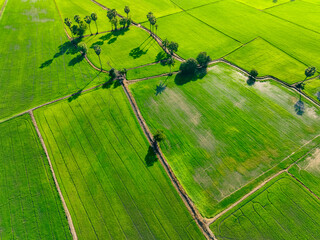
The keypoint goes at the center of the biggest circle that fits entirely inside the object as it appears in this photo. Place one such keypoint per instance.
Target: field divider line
(303, 185)
(201, 222)
(68, 215)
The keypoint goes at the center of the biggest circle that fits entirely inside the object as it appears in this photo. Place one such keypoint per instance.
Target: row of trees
(80, 26)
(191, 65)
(152, 20)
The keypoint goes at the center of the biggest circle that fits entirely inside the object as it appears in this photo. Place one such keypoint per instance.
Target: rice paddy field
(124, 49)
(30, 207)
(281, 210)
(37, 66)
(246, 153)
(112, 185)
(216, 128)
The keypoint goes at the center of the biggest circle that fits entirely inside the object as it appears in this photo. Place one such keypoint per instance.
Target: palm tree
(94, 18)
(77, 19)
(165, 43)
(153, 21)
(171, 62)
(127, 10)
(88, 19)
(123, 22)
(309, 72)
(97, 50)
(114, 21)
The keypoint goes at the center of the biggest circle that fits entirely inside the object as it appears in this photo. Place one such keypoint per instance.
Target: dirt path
(66, 210)
(189, 204)
(3, 7)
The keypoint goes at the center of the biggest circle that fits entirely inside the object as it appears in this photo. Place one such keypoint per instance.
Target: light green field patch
(70, 8)
(30, 207)
(295, 41)
(124, 49)
(283, 209)
(187, 4)
(151, 70)
(299, 12)
(194, 36)
(262, 4)
(108, 174)
(216, 129)
(139, 9)
(268, 60)
(312, 88)
(37, 62)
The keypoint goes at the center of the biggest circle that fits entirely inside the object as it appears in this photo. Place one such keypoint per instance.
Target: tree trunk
(100, 62)
(90, 29)
(96, 26)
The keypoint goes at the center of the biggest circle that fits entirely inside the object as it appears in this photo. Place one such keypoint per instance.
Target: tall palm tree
(97, 50)
(171, 62)
(94, 18)
(88, 19)
(127, 10)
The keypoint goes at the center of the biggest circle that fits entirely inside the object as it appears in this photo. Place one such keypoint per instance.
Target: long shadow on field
(76, 60)
(65, 48)
(160, 88)
(318, 95)
(299, 107)
(181, 79)
(151, 157)
(111, 37)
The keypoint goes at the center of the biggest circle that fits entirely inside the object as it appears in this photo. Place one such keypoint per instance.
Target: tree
(83, 48)
(203, 59)
(129, 21)
(111, 14)
(309, 72)
(171, 62)
(189, 66)
(173, 47)
(68, 23)
(88, 19)
(127, 10)
(113, 73)
(94, 18)
(159, 136)
(114, 21)
(165, 43)
(82, 28)
(153, 21)
(97, 50)
(77, 19)
(74, 29)
(254, 73)
(123, 22)
(149, 16)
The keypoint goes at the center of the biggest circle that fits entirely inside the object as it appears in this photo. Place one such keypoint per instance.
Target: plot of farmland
(262, 4)
(30, 207)
(108, 176)
(299, 12)
(124, 49)
(223, 133)
(194, 36)
(308, 170)
(38, 63)
(295, 41)
(70, 8)
(140, 9)
(312, 88)
(281, 210)
(268, 60)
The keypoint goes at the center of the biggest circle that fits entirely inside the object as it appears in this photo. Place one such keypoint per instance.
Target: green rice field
(112, 185)
(216, 128)
(30, 207)
(281, 210)
(37, 66)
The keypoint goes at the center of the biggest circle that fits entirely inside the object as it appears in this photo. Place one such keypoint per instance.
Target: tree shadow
(162, 57)
(299, 107)
(137, 52)
(181, 78)
(76, 60)
(151, 157)
(107, 84)
(75, 96)
(251, 81)
(160, 88)
(100, 43)
(46, 63)
(318, 95)
(111, 37)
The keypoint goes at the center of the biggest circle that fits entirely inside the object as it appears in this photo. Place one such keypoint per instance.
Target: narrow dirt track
(66, 210)
(3, 7)
(188, 202)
